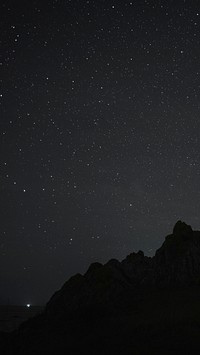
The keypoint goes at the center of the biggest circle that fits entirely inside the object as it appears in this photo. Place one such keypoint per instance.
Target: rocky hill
(140, 305)
(177, 262)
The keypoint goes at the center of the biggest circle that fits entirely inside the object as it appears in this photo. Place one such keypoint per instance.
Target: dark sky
(100, 126)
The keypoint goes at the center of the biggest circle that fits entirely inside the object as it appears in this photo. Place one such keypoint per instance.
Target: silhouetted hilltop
(103, 287)
(141, 305)
(177, 262)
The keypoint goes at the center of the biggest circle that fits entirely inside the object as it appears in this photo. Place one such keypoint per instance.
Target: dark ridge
(141, 305)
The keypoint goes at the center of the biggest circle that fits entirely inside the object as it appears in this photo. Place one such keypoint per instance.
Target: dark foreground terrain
(138, 306)
(157, 322)
(12, 316)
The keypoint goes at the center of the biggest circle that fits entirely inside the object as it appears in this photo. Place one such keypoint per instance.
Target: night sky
(99, 124)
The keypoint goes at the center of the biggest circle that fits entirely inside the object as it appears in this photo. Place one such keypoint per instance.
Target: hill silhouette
(141, 305)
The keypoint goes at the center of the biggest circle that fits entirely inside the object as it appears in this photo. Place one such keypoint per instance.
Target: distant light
(28, 305)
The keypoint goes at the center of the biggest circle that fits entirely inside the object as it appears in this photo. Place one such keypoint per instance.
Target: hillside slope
(141, 305)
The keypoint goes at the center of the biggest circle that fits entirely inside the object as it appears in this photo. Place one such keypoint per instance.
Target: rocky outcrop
(113, 304)
(177, 262)
(138, 268)
(182, 230)
(100, 288)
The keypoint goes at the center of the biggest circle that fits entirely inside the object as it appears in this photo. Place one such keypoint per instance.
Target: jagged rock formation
(177, 262)
(125, 307)
(138, 268)
(100, 288)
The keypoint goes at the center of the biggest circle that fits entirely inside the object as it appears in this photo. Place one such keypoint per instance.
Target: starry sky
(99, 124)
